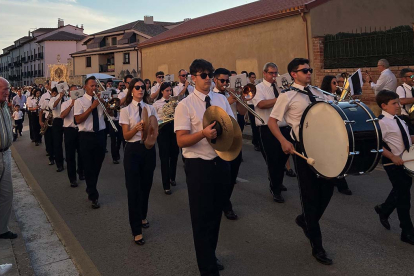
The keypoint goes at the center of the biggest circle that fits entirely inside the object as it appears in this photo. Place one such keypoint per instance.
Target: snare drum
(409, 166)
(343, 138)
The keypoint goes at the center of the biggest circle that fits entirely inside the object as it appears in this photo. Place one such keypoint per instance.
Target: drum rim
(351, 138)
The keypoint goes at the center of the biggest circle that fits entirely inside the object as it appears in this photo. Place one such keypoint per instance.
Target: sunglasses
(138, 87)
(223, 80)
(305, 70)
(160, 77)
(334, 83)
(411, 77)
(204, 75)
(272, 73)
(184, 75)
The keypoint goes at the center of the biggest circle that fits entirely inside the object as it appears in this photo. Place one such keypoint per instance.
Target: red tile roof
(258, 11)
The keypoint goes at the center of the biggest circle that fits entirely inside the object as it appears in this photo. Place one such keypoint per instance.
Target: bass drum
(343, 138)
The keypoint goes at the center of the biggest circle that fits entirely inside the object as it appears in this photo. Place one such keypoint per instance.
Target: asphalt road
(264, 241)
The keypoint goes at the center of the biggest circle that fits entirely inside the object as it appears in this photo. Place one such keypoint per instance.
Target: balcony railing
(35, 56)
(40, 56)
(106, 68)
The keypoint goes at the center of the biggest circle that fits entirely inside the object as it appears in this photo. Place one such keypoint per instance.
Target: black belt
(3, 150)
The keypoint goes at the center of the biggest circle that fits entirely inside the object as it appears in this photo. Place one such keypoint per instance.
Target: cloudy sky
(17, 17)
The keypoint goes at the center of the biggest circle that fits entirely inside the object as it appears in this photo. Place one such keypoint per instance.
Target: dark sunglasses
(138, 87)
(160, 77)
(334, 83)
(305, 70)
(186, 75)
(223, 80)
(204, 75)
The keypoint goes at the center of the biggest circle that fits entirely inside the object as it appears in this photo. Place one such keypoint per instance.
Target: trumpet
(103, 106)
(249, 90)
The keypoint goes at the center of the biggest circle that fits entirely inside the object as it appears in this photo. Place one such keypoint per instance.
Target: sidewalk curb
(83, 263)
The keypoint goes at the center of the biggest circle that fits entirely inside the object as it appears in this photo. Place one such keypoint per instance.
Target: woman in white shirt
(33, 107)
(139, 162)
(167, 141)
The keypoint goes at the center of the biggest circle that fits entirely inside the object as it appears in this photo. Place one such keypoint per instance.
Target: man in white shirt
(89, 116)
(387, 79)
(315, 192)
(208, 176)
(265, 99)
(155, 89)
(252, 119)
(71, 134)
(20, 100)
(43, 114)
(406, 91)
(183, 88)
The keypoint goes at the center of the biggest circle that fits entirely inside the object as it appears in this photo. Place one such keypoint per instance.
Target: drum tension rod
(372, 120)
(354, 153)
(377, 151)
(349, 122)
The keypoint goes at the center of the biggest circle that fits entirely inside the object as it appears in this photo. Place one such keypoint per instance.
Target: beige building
(114, 51)
(248, 36)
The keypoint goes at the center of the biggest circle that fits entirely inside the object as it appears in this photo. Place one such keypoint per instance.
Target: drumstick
(309, 160)
(390, 164)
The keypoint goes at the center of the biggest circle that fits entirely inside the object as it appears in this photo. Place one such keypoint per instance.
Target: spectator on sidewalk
(6, 187)
(18, 121)
(387, 79)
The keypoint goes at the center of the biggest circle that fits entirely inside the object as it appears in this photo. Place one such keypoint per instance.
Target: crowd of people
(76, 131)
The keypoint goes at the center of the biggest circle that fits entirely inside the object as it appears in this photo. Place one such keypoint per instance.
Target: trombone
(103, 106)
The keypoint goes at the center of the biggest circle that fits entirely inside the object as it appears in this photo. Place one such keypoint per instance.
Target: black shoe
(290, 173)
(140, 242)
(167, 192)
(302, 224)
(408, 237)
(116, 161)
(8, 235)
(220, 266)
(51, 163)
(173, 183)
(81, 177)
(278, 198)
(345, 191)
(60, 169)
(95, 204)
(74, 184)
(283, 187)
(320, 256)
(383, 218)
(36, 144)
(145, 225)
(231, 215)
(256, 148)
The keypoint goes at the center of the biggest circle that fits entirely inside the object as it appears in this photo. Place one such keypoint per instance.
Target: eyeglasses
(411, 76)
(185, 75)
(223, 80)
(272, 73)
(204, 75)
(138, 87)
(305, 70)
(160, 77)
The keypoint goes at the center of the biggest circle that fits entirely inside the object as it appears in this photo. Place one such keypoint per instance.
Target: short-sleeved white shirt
(44, 102)
(264, 91)
(391, 133)
(233, 106)
(189, 116)
(56, 110)
(155, 88)
(158, 105)
(130, 116)
(17, 115)
(404, 91)
(177, 90)
(81, 105)
(68, 121)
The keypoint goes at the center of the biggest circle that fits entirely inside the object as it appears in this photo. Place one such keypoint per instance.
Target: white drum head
(409, 156)
(325, 139)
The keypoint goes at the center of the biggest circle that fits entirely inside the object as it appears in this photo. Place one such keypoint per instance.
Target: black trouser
(30, 116)
(24, 112)
(92, 149)
(207, 181)
(71, 147)
(234, 171)
(19, 126)
(274, 156)
(168, 151)
(400, 196)
(139, 166)
(49, 143)
(241, 121)
(255, 130)
(340, 183)
(315, 194)
(58, 141)
(37, 137)
(116, 140)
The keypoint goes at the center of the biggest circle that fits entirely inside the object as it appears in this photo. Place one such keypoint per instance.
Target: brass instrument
(345, 89)
(112, 105)
(48, 123)
(168, 111)
(103, 106)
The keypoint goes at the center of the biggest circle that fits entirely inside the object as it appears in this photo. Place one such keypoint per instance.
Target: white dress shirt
(122, 94)
(81, 105)
(33, 103)
(290, 106)
(405, 91)
(44, 102)
(386, 81)
(189, 116)
(17, 115)
(68, 121)
(155, 88)
(177, 90)
(391, 133)
(233, 106)
(158, 107)
(28, 100)
(56, 110)
(130, 116)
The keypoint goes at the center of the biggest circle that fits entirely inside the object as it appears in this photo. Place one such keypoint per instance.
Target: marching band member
(139, 162)
(266, 97)
(89, 117)
(57, 135)
(183, 88)
(207, 174)
(406, 91)
(222, 81)
(43, 114)
(252, 119)
(29, 113)
(167, 141)
(397, 139)
(124, 89)
(34, 108)
(71, 134)
(315, 192)
(155, 89)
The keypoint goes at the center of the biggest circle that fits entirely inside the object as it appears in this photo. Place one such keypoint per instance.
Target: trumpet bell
(249, 91)
(114, 103)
